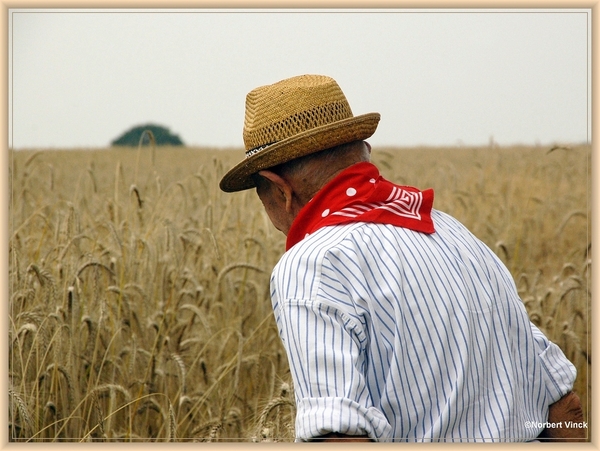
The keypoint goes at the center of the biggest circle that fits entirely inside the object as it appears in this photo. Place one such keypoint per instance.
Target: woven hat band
(258, 149)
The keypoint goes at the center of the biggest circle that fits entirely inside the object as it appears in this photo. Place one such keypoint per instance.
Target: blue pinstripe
(406, 336)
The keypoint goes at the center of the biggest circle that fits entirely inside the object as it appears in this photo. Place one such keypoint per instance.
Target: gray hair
(310, 173)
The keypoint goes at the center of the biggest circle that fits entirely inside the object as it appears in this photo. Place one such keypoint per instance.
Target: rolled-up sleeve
(319, 416)
(559, 372)
(326, 354)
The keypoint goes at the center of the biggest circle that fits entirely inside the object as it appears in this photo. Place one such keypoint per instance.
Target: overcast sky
(81, 78)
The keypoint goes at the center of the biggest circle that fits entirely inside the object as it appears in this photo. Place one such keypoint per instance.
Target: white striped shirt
(405, 336)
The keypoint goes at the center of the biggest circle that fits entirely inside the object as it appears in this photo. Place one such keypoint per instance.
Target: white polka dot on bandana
(305, 236)
(350, 192)
(325, 212)
(372, 180)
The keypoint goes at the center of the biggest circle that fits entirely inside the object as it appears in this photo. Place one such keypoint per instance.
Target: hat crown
(292, 106)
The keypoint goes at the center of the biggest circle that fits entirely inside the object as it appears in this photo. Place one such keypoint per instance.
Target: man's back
(402, 335)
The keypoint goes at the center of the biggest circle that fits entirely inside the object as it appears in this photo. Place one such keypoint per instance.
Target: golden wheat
(139, 292)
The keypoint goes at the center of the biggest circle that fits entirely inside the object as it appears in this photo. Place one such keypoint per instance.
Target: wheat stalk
(22, 410)
(171, 425)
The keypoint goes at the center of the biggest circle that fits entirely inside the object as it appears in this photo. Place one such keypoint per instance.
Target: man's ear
(282, 186)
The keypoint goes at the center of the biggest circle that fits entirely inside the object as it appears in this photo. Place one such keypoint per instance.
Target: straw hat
(292, 118)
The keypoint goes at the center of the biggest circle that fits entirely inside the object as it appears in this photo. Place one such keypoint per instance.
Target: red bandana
(361, 194)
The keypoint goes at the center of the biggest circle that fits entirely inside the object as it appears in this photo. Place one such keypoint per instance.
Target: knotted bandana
(361, 194)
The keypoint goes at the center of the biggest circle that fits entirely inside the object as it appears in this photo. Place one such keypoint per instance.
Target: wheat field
(139, 292)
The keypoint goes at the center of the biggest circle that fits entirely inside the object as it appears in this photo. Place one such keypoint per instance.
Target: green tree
(162, 136)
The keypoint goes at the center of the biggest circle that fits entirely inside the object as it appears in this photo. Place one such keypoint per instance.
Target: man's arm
(336, 437)
(566, 412)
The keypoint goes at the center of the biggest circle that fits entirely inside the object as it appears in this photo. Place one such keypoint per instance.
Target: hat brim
(320, 138)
